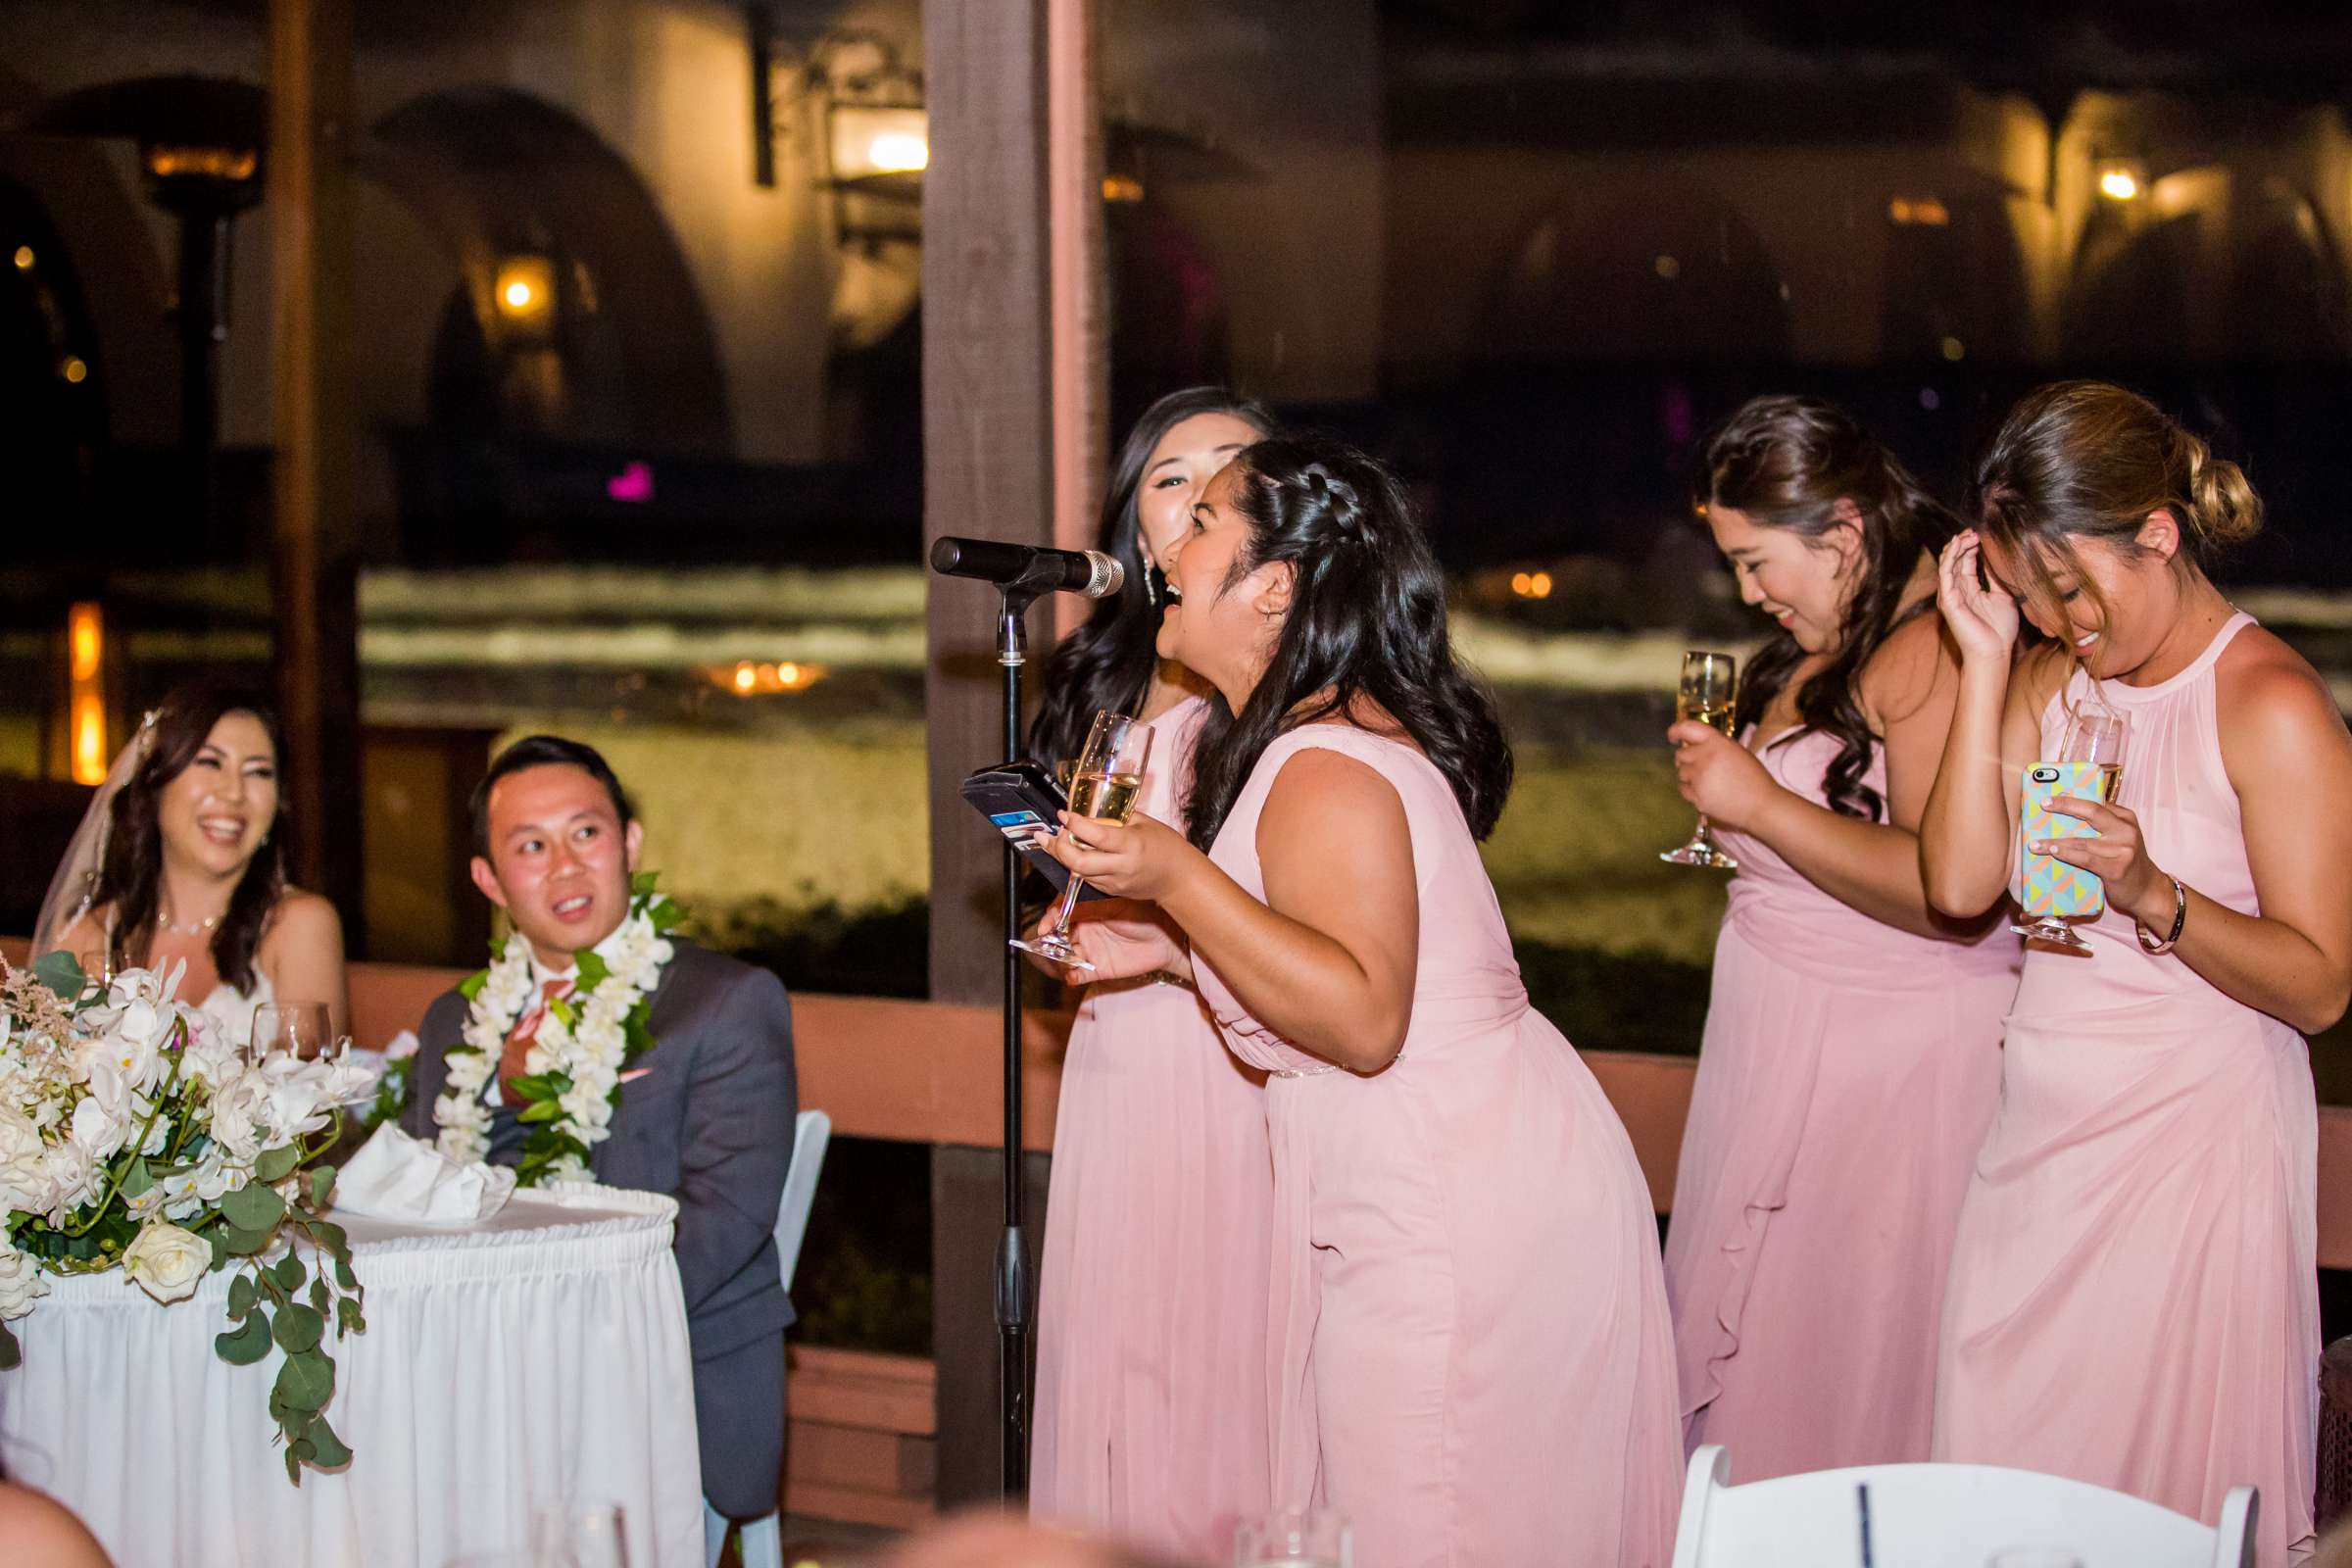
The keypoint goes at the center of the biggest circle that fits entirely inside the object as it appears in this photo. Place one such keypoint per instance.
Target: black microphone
(1080, 571)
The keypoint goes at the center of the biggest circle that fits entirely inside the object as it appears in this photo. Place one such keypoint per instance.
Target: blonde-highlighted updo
(2086, 460)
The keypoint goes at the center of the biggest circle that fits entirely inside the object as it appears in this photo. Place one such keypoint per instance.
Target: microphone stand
(1015, 1291)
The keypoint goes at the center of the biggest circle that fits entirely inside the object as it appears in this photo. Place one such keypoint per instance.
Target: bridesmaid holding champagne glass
(1852, 1056)
(2133, 1298)
(1152, 1339)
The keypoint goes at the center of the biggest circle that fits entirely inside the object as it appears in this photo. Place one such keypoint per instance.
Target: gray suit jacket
(710, 1125)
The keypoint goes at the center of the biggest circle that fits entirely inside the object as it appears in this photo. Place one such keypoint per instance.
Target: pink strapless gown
(1472, 1361)
(1152, 1312)
(2133, 1298)
(1847, 1080)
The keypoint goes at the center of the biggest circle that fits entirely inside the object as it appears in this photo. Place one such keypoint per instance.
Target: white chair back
(1939, 1516)
(811, 1131)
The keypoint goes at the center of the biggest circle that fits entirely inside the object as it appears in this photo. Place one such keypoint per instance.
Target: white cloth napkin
(397, 1177)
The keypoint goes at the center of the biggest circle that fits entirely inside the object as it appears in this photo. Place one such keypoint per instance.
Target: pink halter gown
(1847, 1076)
(1151, 1325)
(1472, 1361)
(2134, 1298)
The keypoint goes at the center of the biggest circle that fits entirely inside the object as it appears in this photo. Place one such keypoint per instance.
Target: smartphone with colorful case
(2051, 888)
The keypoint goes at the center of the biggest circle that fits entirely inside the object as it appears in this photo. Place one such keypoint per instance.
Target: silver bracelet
(2148, 943)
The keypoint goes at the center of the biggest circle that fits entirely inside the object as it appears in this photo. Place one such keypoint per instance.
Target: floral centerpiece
(134, 1137)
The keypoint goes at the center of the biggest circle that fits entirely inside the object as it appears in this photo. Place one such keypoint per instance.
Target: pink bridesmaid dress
(1152, 1331)
(1471, 1353)
(2133, 1299)
(1847, 1076)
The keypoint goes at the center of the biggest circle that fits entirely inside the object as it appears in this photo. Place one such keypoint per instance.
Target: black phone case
(1019, 799)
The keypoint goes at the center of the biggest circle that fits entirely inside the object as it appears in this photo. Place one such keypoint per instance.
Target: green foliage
(62, 973)
(11, 1354)
(252, 1207)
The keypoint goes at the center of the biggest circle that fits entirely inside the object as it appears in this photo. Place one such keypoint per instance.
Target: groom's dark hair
(544, 751)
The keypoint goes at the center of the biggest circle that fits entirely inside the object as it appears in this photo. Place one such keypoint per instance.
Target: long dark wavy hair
(1107, 664)
(1367, 620)
(131, 877)
(1787, 461)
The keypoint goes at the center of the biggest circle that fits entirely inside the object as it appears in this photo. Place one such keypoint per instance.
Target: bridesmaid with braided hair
(1472, 1361)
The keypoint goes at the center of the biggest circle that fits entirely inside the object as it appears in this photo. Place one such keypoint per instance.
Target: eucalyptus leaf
(241, 1296)
(306, 1381)
(289, 1273)
(252, 1207)
(330, 1236)
(319, 1296)
(347, 1317)
(137, 1180)
(62, 973)
(10, 1355)
(298, 1329)
(293, 1467)
(218, 1238)
(245, 1345)
(343, 1274)
(322, 1182)
(276, 1164)
(304, 1449)
(329, 1451)
(243, 1242)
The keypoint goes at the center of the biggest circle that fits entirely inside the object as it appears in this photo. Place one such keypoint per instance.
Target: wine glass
(572, 1535)
(1709, 687)
(2095, 734)
(1294, 1538)
(1106, 783)
(297, 1028)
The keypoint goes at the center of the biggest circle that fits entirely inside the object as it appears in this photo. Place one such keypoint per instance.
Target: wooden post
(995, 287)
(1080, 291)
(314, 577)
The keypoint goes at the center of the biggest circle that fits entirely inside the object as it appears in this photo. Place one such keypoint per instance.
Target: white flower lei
(573, 1067)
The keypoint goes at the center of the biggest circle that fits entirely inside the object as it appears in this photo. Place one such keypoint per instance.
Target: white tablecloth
(537, 1358)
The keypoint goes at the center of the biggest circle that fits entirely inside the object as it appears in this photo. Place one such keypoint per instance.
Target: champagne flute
(297, 1028)
(1296, 1538)
(1106, 783)
(2095, 734)
(1709, 687)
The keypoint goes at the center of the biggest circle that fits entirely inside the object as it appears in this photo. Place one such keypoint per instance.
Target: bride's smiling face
(215, 812)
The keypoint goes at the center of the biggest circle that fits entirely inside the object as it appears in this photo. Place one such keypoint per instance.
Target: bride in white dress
(180, 859)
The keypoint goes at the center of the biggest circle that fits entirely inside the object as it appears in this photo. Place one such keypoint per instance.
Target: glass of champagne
(1709, 686)
(1106, 783)
(296, 1028)
(1297, 1538)
(2095, 734)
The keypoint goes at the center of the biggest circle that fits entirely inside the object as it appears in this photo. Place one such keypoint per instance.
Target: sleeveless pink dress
(1472, 1361)
(1152, 1328)
(2133, 1299)
(1847, 1076)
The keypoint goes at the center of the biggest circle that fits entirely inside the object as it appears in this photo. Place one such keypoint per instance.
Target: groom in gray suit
(709, 1120)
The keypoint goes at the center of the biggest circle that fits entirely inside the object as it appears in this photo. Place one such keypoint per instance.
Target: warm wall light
(2120, 182)
(24, 259)
(525, 289)
(85, 713)
(169, 162)
(747, 678)
(869, 141)
(1926, 211)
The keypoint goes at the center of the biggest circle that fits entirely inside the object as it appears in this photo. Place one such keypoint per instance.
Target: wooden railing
(864, 1434)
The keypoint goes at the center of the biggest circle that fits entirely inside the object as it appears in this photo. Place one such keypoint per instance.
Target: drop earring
(1151, 589)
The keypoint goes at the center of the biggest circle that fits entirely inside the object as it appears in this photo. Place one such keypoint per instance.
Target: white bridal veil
(75, 884)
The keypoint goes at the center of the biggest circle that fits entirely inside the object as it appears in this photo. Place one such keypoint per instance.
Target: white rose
(21, 1282)
(74, 1179)
(167, 1262)
(234, 1121)
(24, 1163)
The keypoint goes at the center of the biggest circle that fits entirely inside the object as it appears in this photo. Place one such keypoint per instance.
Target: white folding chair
(762, 1537)
(1939, 1516)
